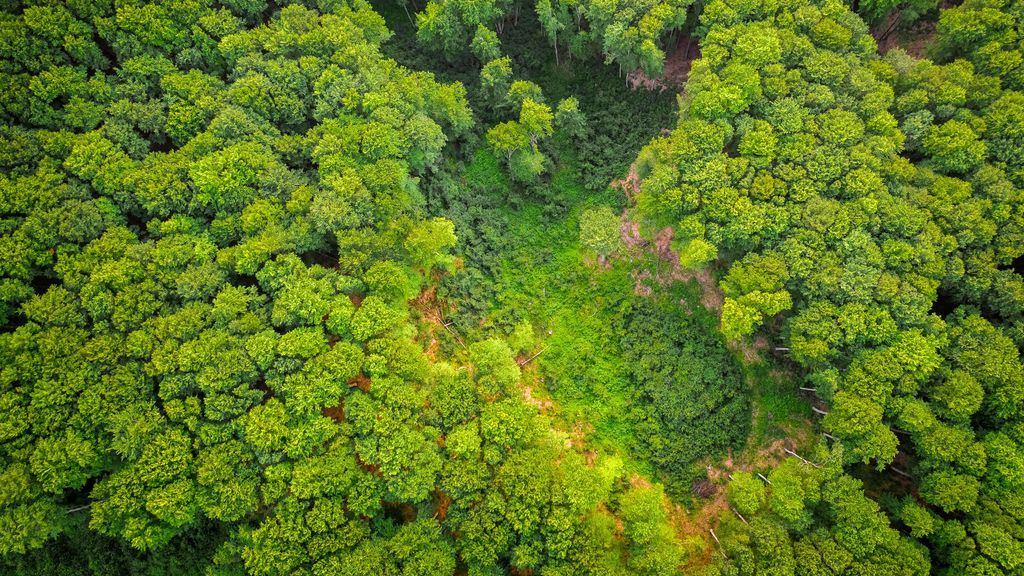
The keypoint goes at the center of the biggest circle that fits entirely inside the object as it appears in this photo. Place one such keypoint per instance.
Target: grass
(779, 412)
(533, 269)
(521, 255)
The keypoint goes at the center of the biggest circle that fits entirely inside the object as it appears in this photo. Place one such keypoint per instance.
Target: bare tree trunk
(892, 26)
(530, 359)
(715, 536)
(802, 459)
(737, 513)
(900, 472)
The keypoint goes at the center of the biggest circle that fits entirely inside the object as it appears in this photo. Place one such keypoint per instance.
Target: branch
(82, 507)
(530, 359)
(446, 325)
(715, 536)
(900, 472)
(802, 459)
(740, 516)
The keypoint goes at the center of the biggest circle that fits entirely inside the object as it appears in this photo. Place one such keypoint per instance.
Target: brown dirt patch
(916, 40)
(638, 481)
(751, 351)
(542, 404)
(441, 503)
(630, 234)
(704, 488)
(639, 287)
(699, 525)
(678, 61)
(630, 185)
(706, 518)
(429, 309)
(711, 296)
(362, 381)
(336, 413)
(433, 349)
(370, 468)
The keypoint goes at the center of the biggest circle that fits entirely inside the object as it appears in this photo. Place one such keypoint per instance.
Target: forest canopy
(325, 287)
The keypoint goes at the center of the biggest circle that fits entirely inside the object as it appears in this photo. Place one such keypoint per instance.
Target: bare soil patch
(916, 40)
(678, 61)
(542, 404)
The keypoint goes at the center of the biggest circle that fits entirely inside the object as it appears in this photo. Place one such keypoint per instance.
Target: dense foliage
(213, 226)
(281, 292)
(813, 520)
(630, 34)
(858, 192)
(213, 238)
(689, 398)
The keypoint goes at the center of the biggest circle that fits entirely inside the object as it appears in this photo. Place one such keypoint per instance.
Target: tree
(450, 24)
(746, 492)
(569, 120)
(954, 147)
(554, 18)
(496, 78)
(485, 46)
(599, 231)
(427, 242)
(651, 549)
(508, 138)
(536, 119)
(818, 519)
(193, 370)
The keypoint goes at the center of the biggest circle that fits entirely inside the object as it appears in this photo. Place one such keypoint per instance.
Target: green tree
(599, 231)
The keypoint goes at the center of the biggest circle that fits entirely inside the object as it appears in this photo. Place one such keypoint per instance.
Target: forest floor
(522, 261)
(916, 39)
(678, 60)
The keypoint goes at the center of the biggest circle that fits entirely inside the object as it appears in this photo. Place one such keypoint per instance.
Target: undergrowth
(628, 375)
